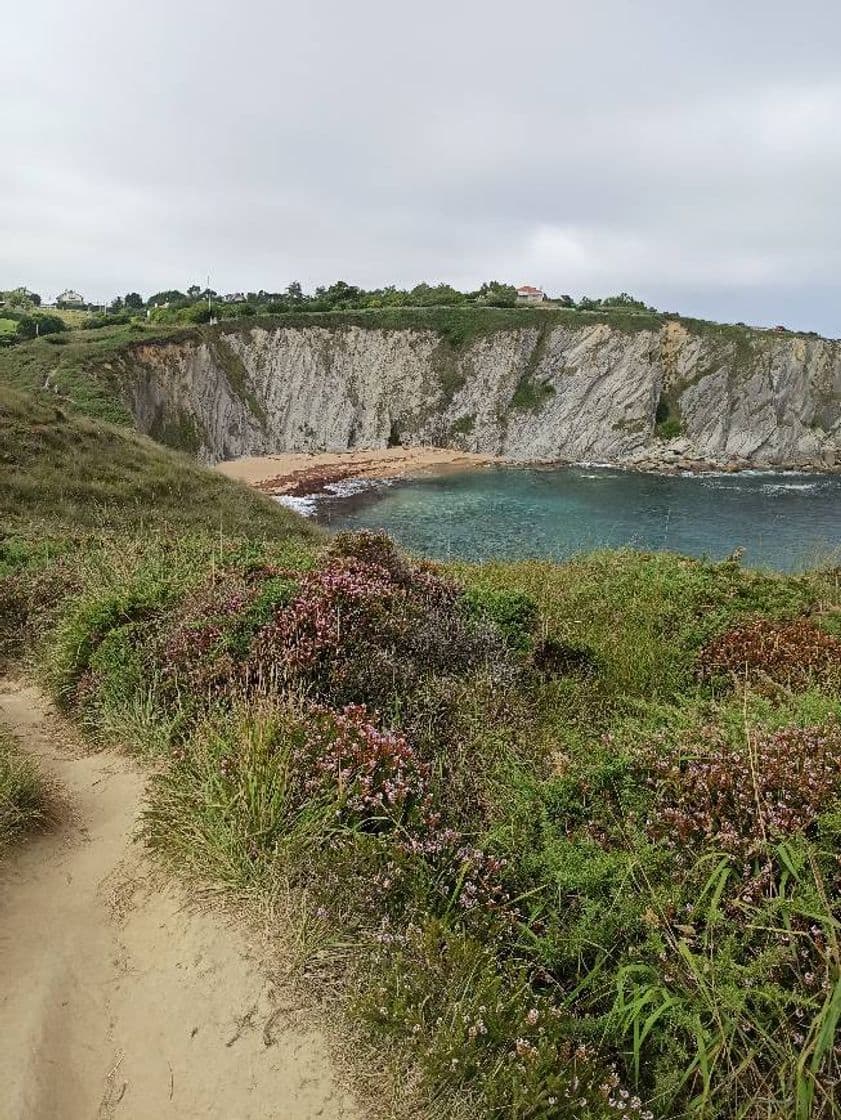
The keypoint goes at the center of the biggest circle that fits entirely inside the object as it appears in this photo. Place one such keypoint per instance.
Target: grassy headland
(566, 837)
(65, 473)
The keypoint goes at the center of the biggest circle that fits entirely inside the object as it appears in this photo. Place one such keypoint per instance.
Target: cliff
(540, 386)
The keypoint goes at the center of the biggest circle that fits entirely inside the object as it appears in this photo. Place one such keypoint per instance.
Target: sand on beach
(307, 472)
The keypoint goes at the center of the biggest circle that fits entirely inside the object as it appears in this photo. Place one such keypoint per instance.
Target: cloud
(689, 157)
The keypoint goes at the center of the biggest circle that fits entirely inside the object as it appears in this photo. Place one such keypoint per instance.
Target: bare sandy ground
(117, 1000)
(307, 472)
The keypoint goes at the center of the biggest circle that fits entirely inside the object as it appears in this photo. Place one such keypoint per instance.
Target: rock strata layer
(671, 397)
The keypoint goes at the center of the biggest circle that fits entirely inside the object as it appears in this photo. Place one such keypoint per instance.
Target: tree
(198, 313)
(171, 296)
(294, 293)
(39, 323)
(116, 305)
(625, 300)
(194, 291)
(441, 295)
(497, 295)
(18, 298)
(341, 294)
(134, 301)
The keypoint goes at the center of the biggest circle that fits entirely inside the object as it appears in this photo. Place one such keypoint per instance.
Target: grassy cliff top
(64, 473)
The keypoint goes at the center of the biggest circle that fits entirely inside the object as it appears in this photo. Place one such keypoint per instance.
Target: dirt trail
(117, 1000)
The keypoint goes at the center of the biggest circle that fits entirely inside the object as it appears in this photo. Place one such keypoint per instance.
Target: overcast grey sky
(689, 154)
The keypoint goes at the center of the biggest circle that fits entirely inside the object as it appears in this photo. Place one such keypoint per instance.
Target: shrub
(93, 617)
(740, 800)
(107, 319)
(794, 654)
(211, 633)
(669, 429)
(474, 1030)
(514, 613)
(373, 777)
(367, 627)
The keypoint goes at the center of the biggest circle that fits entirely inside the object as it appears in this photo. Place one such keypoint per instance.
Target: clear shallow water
(783, 521)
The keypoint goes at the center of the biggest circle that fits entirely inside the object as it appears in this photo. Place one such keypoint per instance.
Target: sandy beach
(300, 473)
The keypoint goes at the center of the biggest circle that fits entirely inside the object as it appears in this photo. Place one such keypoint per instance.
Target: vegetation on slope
(568, 835)
(564, 853)
(70, 474)
(74, 487)
(75, 366)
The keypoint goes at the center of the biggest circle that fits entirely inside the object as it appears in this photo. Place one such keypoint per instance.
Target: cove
(783, 521)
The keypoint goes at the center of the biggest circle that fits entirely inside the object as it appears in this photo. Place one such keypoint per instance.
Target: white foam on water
(347, 487)
(305, 505)
(782, 487)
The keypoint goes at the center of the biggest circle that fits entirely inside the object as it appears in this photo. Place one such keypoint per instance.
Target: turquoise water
(783, 521)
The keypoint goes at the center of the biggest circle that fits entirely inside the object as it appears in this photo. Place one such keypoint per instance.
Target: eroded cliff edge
(546, 390)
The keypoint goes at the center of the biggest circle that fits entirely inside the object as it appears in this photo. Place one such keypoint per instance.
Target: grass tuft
(23, 802)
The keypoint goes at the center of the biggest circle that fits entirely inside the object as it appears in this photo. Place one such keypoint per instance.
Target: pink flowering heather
(200, 651)
(367, 627)
(795, 654)
(339, 603)
(736, 798)
(374, 775)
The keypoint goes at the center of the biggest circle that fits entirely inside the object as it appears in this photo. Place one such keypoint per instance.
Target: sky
(687, 154)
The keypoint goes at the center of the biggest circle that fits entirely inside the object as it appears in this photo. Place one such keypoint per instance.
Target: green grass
(63, 473)
(23, 804)
(76, 366)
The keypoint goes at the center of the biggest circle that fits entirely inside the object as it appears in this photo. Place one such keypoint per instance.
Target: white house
(71, 297)
(528, 294)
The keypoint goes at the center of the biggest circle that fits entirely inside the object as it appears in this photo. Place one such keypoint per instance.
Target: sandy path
(116, 1000)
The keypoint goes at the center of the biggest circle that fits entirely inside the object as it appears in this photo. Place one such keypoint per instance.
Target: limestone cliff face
(592, 392)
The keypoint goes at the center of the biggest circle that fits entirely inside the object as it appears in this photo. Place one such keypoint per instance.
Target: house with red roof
(528, 294)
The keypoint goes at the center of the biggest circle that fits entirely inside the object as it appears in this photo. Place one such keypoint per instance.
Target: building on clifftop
(70, 299)
(528, 294)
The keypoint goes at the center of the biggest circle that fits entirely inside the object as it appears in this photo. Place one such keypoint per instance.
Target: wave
(347, 487)
(782, 487)
(764, 487)
(305, 505)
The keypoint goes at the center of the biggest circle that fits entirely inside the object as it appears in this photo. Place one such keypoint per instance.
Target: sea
(782, 521)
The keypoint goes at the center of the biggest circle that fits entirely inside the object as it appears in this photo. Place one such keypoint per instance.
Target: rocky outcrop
(593, 392)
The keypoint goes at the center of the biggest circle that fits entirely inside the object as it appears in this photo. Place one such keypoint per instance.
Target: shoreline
(301, 474)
